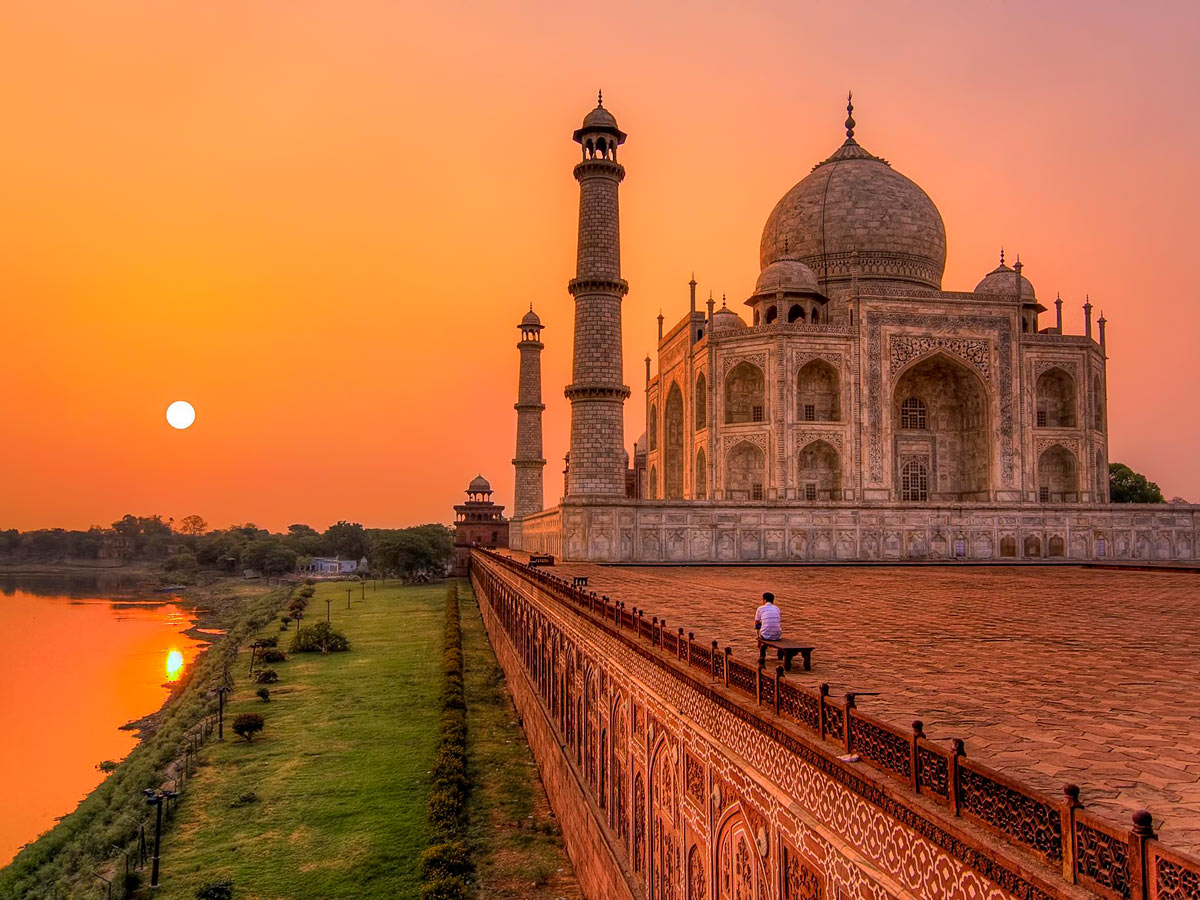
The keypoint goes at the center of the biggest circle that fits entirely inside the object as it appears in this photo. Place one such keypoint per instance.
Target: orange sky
(321, 222)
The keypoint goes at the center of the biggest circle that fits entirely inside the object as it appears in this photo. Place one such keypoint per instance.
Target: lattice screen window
(914, 481)
(1044, 494)
(810, 412)
(756, 414)
(810, 492)
(912, 414)
(756, 492)
(1041, 418)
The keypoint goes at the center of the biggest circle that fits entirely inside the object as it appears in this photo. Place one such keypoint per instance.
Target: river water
(79, 659)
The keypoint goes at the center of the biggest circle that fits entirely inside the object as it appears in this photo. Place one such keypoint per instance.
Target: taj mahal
(849, 409)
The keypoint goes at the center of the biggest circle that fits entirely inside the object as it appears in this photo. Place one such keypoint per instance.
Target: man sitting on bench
(767, 620)
(770, 634)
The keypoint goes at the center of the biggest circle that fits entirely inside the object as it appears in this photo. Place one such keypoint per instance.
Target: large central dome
(856, 215)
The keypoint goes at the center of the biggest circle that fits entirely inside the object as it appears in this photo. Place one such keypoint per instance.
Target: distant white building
(328, 565)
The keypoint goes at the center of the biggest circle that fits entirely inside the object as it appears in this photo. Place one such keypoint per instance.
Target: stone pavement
(1052, 675)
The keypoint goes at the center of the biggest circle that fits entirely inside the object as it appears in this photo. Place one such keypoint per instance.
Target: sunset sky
(321, 222)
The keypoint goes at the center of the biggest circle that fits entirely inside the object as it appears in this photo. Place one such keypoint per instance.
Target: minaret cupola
(599, 137)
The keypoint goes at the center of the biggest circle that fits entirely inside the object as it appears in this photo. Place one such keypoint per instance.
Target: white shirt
(768, 614)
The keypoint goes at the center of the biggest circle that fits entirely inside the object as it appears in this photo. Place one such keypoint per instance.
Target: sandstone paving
(1051, 675)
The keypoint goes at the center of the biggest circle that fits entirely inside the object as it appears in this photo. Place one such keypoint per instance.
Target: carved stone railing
(1097, 854)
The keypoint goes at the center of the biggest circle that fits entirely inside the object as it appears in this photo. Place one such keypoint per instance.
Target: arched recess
(652, 484)
(701, 480)
(639, 823)
(1058, 475)
(1055, 399)
(940, 415)
(1102, 494)
(745, 471)
(796, 313)
(1098, 403)
(818, 397)
(697, 882)
(739, 873)
(620, 771)
(745, 394)
(701, 401)
(673, 439)
(652, 427)
(820, 472)
(664, 823)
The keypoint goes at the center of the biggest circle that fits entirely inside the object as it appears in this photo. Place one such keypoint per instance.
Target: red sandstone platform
(1052, 675)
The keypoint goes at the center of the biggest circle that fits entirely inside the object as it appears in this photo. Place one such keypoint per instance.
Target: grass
(340, 774)
(518, 844)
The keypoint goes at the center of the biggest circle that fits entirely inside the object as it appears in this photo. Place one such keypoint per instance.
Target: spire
(1002, 254)
(600, 98)
(849, 115)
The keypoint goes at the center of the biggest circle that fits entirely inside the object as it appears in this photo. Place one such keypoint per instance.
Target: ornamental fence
(1116, 863)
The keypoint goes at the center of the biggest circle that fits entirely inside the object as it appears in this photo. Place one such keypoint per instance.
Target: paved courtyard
(1053, 675)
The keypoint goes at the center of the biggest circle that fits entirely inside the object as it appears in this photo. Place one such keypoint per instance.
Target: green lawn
(518, 845)
(341, 771)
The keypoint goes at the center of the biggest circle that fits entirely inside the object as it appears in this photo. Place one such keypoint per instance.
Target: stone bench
(785, 650)
(546, 560)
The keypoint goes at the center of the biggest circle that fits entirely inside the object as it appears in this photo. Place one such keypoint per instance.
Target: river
(80, 658)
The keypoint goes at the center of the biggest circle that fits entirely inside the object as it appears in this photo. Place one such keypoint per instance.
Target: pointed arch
(818, 394)
(739, 873)
(701, 479)
(701, 401)
(673, 440)
(1055, 397)
(652, 427)
(745, 394)
(819, 473)
(1058, 475)
(745, 472)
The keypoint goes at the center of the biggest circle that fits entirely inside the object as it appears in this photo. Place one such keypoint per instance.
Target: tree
(1128, 486)
(247, 725)
(269, 557)
(193, 525)
(346, 539)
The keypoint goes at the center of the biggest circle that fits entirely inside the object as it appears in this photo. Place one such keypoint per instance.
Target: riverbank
(63, 860)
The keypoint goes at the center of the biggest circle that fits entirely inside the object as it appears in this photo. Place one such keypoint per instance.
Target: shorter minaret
(527, 495)
(1087, 317)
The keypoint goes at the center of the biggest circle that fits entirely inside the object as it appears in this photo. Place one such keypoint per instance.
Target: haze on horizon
(320, 224)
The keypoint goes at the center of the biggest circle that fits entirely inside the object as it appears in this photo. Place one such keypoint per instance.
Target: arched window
(914, 481)
(652, 484)
(912, 414)
(820, 472)
(772, 314)
(1058, 476)
(817, 393)
(745, 394)
(1008, 547)
(673, 434)
(1098, 403)
(701, 401)
(701, 479)
(652, 427)
(745, 466)
(1033, 546)
(1102, 494)
(1055, 399)
(796, 313)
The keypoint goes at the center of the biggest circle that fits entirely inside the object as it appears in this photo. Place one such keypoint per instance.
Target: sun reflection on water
(174, 665)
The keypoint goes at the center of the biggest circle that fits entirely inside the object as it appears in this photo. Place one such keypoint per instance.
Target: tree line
(421, 552)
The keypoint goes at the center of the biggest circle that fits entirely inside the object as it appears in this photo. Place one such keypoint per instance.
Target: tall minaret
(527, 496)
(596, 393)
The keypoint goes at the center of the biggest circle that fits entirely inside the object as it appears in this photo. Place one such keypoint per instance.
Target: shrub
(266, 676)
(283, 621)
(319, 638)
(268, 642)
(272, 655)
(247, 725)
(446, 808)
(107, 765)
(446, 887)
(448, 858)
(244, 800)
(215, 890)
(306, 593)
(310, 581)
(263, 694)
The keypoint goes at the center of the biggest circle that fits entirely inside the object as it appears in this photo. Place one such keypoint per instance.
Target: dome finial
(599, 98)
(850, 115)
(1001, 254)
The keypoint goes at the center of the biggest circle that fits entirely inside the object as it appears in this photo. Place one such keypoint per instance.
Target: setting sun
(174, 665)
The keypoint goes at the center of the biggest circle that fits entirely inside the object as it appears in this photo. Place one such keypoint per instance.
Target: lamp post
(221, 692)
(363, 586)
(299, 616)
(328, 600)
(156, 800)
(348, 590)
(107, 882)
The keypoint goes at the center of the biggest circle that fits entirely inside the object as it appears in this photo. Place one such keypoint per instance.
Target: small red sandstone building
(477, 523)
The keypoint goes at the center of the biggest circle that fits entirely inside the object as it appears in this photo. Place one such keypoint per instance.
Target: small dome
(787, 274)
(531, 320)
(725, 318)
(599, 118)
(479, 485)
(1000, 281)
